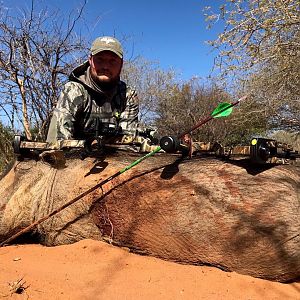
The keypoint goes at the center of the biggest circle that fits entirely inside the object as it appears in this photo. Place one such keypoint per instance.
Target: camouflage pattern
(80, 104)
(60, 144)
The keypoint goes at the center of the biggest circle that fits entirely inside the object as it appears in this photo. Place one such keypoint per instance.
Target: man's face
(105, 66)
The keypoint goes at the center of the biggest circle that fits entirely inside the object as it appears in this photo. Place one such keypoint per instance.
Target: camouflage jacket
(81, 103)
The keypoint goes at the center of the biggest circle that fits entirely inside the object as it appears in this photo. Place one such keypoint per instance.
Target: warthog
(200, 211)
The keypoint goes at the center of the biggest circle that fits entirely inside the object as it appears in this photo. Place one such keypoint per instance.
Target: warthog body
(199, 211)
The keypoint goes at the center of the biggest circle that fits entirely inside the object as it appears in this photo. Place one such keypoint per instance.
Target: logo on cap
(107, 40)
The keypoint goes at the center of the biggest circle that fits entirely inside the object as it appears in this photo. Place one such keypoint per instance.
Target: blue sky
(172, 32)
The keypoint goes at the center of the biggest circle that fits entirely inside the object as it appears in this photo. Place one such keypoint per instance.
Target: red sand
(95, 270)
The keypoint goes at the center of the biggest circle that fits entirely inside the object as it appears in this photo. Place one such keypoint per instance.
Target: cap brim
(107, 49)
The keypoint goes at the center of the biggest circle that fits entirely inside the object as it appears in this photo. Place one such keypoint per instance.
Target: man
(95, 97)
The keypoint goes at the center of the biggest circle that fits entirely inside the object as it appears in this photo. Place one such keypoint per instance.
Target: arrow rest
(170, 144)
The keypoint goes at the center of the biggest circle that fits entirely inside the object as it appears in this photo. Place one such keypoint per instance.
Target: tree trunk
(24, 109)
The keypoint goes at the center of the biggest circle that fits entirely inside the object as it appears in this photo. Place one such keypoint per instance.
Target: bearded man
(95, 96)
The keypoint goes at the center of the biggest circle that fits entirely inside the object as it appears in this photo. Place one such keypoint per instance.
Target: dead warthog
(200, 211)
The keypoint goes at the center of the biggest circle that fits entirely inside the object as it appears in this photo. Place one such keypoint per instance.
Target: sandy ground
(96, 270)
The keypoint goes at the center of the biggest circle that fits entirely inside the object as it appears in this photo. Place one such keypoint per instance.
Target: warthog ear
(55, 158)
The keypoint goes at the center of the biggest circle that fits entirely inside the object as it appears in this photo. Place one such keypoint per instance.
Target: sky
(170, 32)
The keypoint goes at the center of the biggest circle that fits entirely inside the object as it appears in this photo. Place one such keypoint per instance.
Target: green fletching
(221, 111)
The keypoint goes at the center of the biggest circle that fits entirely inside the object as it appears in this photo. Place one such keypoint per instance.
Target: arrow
(220, 111)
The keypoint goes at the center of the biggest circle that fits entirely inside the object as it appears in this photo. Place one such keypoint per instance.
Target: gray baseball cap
(107, 43)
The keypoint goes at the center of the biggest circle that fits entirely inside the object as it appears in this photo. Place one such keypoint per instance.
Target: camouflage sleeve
(129, 117)
(62, 122)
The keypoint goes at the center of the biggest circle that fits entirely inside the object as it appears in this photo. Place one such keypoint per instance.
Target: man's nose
(105, 66)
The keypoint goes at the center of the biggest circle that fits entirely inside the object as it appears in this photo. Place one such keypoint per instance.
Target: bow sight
(271, 151)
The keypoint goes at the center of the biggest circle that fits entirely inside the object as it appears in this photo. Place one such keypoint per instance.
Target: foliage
(151, 83)
(260, 47)
(191, 102)
(38, 48)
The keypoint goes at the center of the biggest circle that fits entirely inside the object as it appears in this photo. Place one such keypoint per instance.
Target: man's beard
(105, 85)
